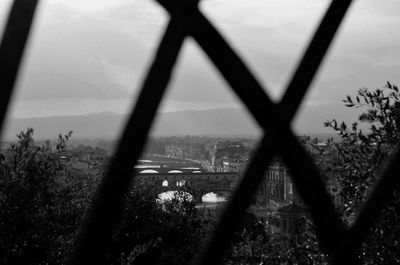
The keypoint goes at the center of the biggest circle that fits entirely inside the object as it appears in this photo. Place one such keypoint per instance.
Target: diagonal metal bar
(213, 248)
(12, 48)
(239, 202)
(336, 239)
(98, 225)
(241, 199)
(299, 98)
(313, 57)
(305, 63)
(381, 194)
(225, 59)
(233, 83)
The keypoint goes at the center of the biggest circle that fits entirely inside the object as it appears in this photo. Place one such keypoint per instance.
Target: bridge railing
(275, 118)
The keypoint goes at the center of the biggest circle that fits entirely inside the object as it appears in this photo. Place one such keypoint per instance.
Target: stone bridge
(167, 170)
(222, 183)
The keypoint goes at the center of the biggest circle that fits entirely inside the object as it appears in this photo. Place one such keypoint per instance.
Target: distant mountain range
(212, 122)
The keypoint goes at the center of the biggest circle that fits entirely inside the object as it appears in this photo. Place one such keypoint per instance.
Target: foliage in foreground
(359, 159)
(38, 214)
(42, 205)
(150, 232)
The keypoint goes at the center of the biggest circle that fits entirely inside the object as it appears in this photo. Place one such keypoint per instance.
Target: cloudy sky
(89, 56)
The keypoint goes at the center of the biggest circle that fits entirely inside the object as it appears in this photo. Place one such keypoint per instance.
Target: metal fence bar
(381, 195)
(224, 56)
(332, 232)
(14, 40)
(239, 202)
(225, 59)
(98, 225)
(273, 118)
(313, 56)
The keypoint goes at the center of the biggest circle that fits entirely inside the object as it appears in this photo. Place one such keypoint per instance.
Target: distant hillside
(84, 126)
(229, 121)
(217, 122)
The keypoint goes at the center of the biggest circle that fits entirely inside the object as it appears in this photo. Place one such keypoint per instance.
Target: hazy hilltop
(213, 122)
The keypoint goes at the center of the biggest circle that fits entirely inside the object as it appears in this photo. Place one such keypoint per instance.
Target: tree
(42, 206)
(358, 159)
(38, 217)
(151, 232)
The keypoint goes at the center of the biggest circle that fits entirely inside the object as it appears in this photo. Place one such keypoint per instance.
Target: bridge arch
(175, 171)
(149, 171)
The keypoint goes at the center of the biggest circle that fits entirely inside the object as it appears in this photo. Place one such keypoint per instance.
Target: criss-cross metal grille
(340, 242)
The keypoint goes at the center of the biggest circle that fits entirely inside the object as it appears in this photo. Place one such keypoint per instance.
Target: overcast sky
(89, 56)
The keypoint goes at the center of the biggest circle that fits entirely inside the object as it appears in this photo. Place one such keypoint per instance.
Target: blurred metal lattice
(186, 20)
